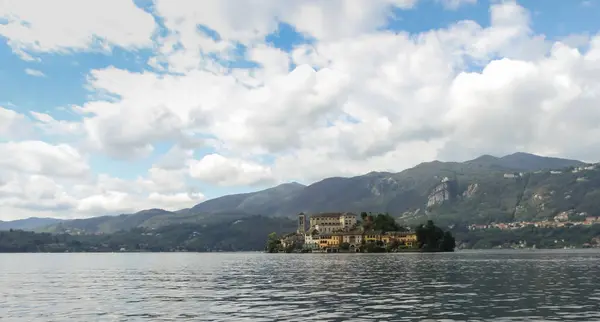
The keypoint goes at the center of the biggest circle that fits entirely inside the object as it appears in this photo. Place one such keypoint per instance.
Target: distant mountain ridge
(253, 202)
(526, 162)
(28, 223)
(475, 190)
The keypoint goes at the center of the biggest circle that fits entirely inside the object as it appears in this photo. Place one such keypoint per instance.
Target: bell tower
(301, 223)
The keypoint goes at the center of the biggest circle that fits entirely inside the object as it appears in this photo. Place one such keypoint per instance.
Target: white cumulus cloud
(219, 170)
(355, 98)
(14, 125)
(41, 158)
(35, 26)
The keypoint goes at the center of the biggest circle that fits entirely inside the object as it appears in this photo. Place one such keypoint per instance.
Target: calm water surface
(484, 286)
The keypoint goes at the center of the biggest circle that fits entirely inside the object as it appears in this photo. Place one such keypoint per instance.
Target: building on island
(292, 240)
(302, 223)
(329, 241)
(373, 236)
(311, 240)
(353, 238)
(328, 232)
(333, 222)
(406, 238)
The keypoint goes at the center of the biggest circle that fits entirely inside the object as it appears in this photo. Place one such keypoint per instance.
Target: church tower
(301, 223)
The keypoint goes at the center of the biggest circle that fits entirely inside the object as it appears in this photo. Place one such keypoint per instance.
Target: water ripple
(474, 286)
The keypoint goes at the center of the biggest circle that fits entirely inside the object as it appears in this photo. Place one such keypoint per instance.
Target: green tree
(385, 223)
(273, 243)
(344, 246)
(448, 242)
(433, 238)
(290, 248)
(363, 216)
(394, 245)
(373, 248)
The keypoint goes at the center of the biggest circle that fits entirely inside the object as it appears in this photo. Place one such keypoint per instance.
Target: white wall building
(333, 222)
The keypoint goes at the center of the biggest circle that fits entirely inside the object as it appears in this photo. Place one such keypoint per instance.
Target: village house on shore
(335, 232)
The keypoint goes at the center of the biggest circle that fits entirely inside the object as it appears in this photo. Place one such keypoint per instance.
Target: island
(344, 232)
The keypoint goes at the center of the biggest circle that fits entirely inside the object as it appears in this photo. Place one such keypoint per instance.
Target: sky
(114, 106)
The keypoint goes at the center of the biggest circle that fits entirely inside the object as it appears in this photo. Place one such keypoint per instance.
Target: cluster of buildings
(335, 232)
(588, 167)
(560, 220)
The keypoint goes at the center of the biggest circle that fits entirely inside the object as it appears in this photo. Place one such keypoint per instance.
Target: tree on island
(294, 246)
(393, 246)
(363, 216)
(385, 223)
(374, 247)
(432, 238)
(273, 243)
(448, 242)
(380, 222)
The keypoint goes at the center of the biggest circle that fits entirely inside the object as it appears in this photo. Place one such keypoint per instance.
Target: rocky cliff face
(445, 191)
(471, 190)
(383, 185)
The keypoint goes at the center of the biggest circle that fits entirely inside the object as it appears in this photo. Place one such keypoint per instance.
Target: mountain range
(28, 223)
(513, 187)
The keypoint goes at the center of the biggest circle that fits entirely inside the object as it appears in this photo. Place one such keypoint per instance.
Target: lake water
(484, 286)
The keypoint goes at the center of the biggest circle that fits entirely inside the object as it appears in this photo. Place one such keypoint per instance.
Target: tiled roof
(348, 233)
(400, 233)
(331, 215)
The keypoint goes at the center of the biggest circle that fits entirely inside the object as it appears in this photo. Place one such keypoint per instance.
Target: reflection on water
(476, 286)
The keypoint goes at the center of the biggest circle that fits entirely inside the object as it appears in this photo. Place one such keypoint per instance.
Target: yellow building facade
(370, 237)
(334, 240)
(408, 239)
(329, 241)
